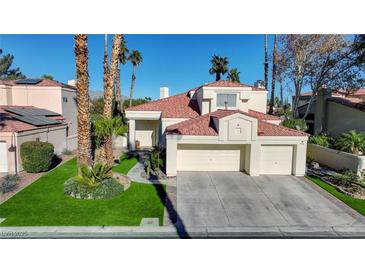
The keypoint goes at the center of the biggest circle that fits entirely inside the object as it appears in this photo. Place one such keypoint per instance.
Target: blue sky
(177, 61)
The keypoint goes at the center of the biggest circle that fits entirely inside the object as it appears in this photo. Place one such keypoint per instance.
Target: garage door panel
(208, 159)
(276, 160)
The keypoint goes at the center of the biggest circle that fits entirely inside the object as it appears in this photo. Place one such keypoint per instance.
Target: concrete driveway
(233, 199)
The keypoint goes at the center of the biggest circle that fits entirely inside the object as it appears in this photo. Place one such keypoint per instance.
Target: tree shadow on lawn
(173, 215)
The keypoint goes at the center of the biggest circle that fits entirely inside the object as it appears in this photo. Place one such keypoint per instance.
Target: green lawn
(44, 204)
(357, 204)
(128, 161)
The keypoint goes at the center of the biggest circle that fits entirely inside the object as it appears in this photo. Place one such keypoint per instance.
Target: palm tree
(219, 65)
(266, 65)
(105, 128)
(352, 141)
(234, 75)
(121, 60)
(273, 81)
(107, 148)
(83, 111)
(105, 61)
(136, 59)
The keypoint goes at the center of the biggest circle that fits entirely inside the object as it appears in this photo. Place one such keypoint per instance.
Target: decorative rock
(123, 180)
(315, 165)
(2, 220)
(149, 222)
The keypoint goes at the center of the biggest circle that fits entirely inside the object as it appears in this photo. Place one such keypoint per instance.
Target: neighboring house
(44, 93)
(19, 124)
(220, 126)
(335, 113)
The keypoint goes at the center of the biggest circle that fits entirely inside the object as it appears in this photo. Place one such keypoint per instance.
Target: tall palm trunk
(132, 85)
(217, 76)
(82, 98)
(281, 93)
(118, 91)
(272, 99)
(105, 61)
(266, 65)
(107, 149)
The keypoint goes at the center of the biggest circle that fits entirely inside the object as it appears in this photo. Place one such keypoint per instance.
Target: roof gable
(205, 125)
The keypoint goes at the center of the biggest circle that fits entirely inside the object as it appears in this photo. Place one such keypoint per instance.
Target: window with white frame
(229, 100)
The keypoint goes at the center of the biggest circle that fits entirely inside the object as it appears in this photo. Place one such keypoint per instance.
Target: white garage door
(208, 158)
(276, 160)
(3, 157)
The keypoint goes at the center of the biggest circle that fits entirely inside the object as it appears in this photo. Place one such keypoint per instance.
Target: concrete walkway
(135, 175)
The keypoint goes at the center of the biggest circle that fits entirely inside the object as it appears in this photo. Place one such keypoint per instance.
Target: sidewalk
(171, 232)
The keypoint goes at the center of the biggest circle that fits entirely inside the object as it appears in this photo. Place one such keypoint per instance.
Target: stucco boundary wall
(336, 159)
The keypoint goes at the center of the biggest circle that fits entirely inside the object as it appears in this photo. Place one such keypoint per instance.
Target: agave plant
(352, 141)
(93, 176)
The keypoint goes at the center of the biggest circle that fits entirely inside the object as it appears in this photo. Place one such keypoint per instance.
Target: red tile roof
(177, 106)
(359, 92)
(264, 116)
(9, 124)
(43, 83)
(356, 103)
(181, 105)
(204, 126)
(229, 84)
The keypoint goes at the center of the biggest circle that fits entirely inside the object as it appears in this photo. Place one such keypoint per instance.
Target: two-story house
(219, 126)
(35, 109)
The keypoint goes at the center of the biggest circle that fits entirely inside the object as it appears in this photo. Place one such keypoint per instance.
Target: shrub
(347, 178)
(298, 124)
(322, 140)
(156, 159)
(93, 176)
(108, 189)
(352, 142)
(8, 183)
(36, 156)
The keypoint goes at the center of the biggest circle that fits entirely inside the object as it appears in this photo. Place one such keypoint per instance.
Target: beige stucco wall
(3, 96)
(43, 97)
(163, 124)
(146, 131)
(69, 111)
(341, 119)
(245, 99)
(336, 159)
(258, 101)
(54, 135)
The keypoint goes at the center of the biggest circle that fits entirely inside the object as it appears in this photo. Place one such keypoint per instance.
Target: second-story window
(228, 100)
(64, 99)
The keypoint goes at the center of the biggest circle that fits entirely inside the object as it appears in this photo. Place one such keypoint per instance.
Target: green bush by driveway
(44, 203)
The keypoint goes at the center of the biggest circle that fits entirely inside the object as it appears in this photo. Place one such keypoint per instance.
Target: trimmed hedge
(108, 189)
(36, 156)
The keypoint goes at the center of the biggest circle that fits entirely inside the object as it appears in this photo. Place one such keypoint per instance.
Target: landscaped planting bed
(356, 204)
(44, 203)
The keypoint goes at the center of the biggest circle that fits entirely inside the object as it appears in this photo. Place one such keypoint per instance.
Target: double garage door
(274, 159)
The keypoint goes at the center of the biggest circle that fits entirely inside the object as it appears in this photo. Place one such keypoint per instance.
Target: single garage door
(276, 160)
(208, 158)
